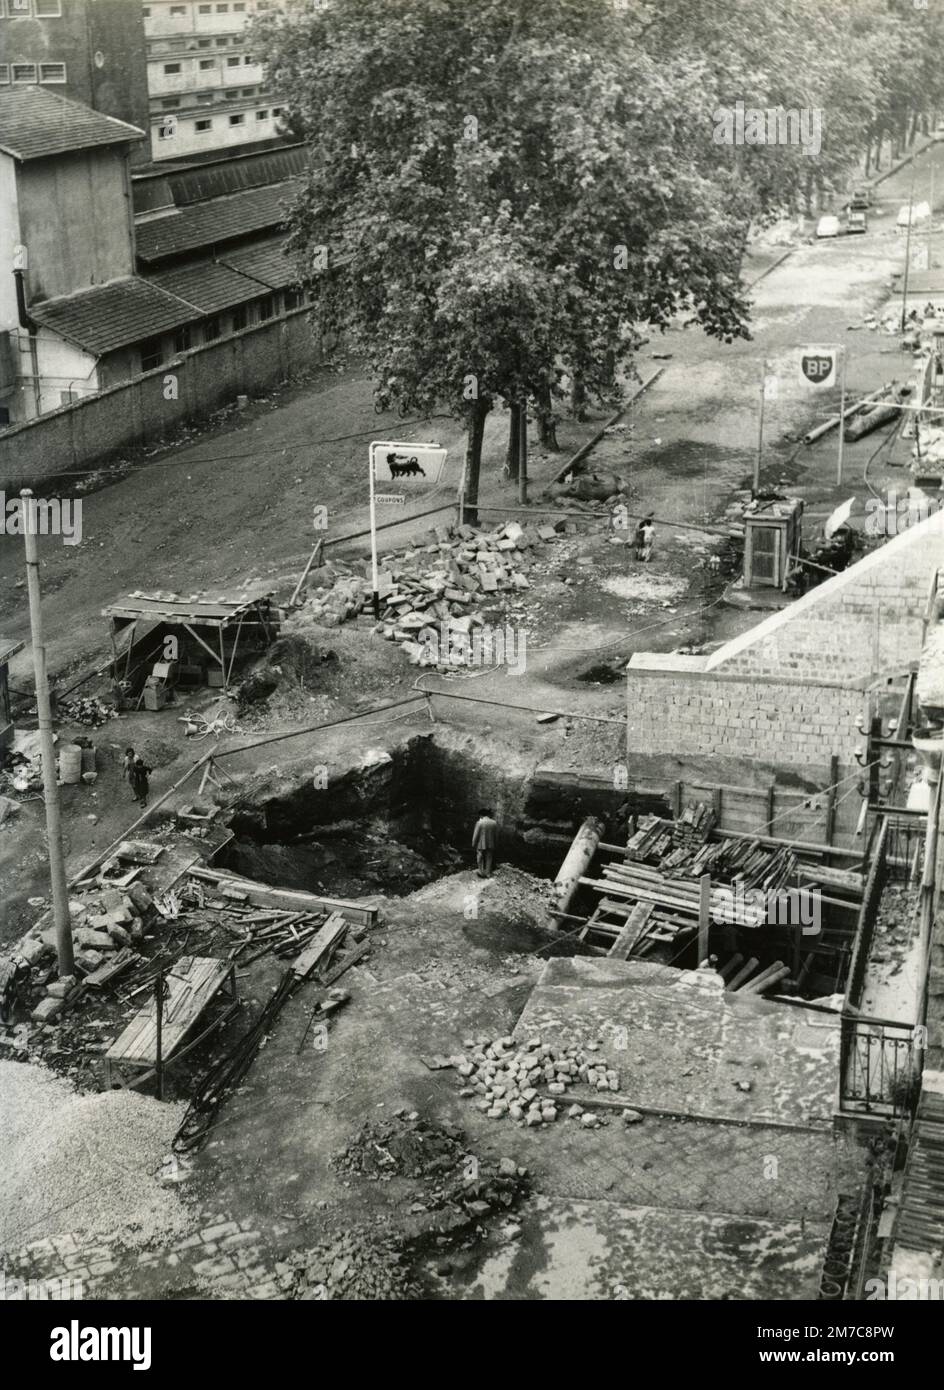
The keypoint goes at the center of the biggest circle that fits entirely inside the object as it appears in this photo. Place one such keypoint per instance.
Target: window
(18, 8)
(146, 12)
(167, 128)
(201, 127)
(248, 91)
(207, 63)
(276, 111)
(266, 308)
(204, 9)
(24, 72)
(211, 330)
(152, 354)
(52, 72)
(67, 397)
(221, 43)
(237, 120)
(248, 61)
(262, 115)
(239, 7)
(182, 339)
(204, 43)
(171, 67)
(232, 62)
(222, 9)
(232, 95)
(178, 9)
(291, 299)
(169, 103)
(47, 9)
(240, 318)
(4, 74)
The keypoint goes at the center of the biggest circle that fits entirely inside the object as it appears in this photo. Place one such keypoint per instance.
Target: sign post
(842, 415)
(405, 460)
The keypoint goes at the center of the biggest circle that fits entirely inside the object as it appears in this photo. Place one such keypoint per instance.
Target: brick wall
(860, 624)
(137, 412)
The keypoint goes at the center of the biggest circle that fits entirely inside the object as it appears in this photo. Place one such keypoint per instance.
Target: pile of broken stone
(104, 920)
(527, 1082)
(428, 593)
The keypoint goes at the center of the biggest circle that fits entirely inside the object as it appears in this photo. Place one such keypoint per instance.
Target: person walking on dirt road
(140, 772)
(484, 840)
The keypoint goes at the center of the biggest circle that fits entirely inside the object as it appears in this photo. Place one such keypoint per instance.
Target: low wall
(152, 407)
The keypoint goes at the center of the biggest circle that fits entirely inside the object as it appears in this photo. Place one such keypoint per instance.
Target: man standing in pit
(484, 840)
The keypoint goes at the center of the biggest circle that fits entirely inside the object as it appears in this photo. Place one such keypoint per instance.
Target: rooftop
(37, 124)
(264, 261)
(217, 220)
(112, 316)
(208, 286)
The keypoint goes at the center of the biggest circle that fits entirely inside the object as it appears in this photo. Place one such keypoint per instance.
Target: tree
(509, 193)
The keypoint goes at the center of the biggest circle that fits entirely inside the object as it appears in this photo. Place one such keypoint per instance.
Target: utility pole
(760, 427)
(842, 415)
(904, 290)
(57, 868)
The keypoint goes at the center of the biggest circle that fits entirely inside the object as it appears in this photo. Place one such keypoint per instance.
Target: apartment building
(90, 51)
(206, 86)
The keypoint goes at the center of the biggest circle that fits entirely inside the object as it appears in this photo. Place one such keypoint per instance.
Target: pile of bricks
(428, 593)
(105, 920)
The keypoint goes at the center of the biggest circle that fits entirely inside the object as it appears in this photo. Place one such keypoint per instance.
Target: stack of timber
(689, 853)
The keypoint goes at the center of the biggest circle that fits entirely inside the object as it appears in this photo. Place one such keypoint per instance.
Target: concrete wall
(152, 406)
(775, 705)
(90, 239)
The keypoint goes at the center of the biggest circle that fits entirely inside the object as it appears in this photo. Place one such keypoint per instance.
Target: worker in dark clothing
(645, 533)
(140, 772)
(484, 840)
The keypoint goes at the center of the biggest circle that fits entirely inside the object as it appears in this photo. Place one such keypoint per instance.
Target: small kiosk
(772, 536)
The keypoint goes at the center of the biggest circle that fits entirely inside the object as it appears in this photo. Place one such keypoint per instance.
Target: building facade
(91, 51)
(206, 86)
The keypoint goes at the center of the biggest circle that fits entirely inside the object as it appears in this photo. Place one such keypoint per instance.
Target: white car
(828, 226)
(920, 213)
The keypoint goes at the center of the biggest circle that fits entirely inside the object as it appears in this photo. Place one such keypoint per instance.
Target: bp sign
(818, 368)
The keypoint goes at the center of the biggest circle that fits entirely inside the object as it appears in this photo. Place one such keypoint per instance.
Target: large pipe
(771, 976)
(813, 435)
(584, 847)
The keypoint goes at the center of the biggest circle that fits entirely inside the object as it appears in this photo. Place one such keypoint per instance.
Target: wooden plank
(328, 936)
(633, 930)
(191, 984)
(261, 895)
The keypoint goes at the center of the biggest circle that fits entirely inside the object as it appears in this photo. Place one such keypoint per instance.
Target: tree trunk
(511, 457)
(473, 457)
(547, 428)
(868, 153)
(578, 398)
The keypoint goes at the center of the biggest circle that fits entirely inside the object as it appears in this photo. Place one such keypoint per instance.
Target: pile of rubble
(527, 1083)
(89, 711)
(428, 593)
(456, 1190)
(356, 1265)
(105, 923)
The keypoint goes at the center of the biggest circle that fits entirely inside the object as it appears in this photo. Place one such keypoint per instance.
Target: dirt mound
(358, 1265)
(405, 1147)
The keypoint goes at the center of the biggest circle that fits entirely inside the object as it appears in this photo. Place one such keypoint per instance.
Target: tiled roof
(208, 286)
(264, 262)
(112, 316)
(218, 220)
(36, 123)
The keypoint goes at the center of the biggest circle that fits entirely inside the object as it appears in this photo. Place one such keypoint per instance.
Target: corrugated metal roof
(219, 220)
(36, 123)
(196, 610)
(264, 262)
(217, 180)
(208, 286)
(112, 316)
(9, 649)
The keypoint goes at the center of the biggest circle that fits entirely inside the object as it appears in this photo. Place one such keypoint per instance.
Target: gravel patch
(95, 1164)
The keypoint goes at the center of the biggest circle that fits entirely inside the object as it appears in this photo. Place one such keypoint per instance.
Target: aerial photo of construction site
(471, 654)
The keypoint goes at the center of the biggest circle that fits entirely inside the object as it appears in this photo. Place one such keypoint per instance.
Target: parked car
(856, 222)
(861, 200)
(828, 226)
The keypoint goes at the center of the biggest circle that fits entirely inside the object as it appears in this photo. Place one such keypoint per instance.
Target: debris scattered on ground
(89, 710)
(357, 1265)
(527, 1083)
(83, 1163)
(428, 592)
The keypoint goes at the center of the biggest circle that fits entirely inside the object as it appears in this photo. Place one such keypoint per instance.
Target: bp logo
(818, 367)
